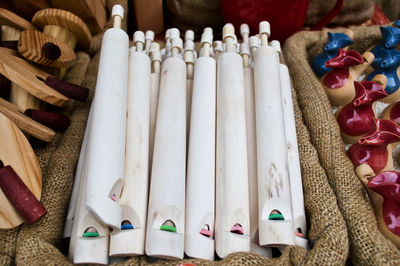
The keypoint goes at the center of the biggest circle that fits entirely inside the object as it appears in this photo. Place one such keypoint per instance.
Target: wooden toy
(166, 211)
(346, 67)
(100, 177)
(373, 152)
(16, 152)
(296, 186)
(274, 196)
(390, 39)
(355, 118)
(105, 173)
(189, 58)
(251, 150)
(45, 50)
(383, 190)
(200, 188)
(392, 112)
(155, 56)
(25, 123)
(232, 223)
(133, 201)
(390, 68)
(336, 40)
(12, 25)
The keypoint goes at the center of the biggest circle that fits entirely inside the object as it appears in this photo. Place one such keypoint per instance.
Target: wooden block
(66, 20)
(11, 19)
(30, 79)
(31, 46)
(17, 152)
(149, 15)
(93, 12)
(26, 124)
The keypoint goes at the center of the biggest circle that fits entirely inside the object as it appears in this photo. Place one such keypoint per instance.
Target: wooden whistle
(133, 200)
(200, 188)
(392, 112)
(346, 67)
(336, 40)
(383, 190)
(355, 118)
(390, 39)
(276, 227)
(296, 185)
(102, 168)
(373, 152)
(390, 69)
(232, 223)
(166, 210)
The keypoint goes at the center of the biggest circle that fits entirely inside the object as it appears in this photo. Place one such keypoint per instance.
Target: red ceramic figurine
(346, 67)
(384, 192)
(373, 152)
(355, 118)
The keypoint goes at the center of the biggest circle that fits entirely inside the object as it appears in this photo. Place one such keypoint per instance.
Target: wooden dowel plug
(58, 122)
(20, 196)
(67, 89)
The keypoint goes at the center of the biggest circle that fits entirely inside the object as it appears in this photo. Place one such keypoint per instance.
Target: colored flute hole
(299, 232)
(90, 232)
(237, 229)
(126, 225)
(205, 231)
(169, 226)
(276, 215)
(113, 197)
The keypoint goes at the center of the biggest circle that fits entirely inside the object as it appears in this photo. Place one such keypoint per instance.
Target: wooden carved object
(346, 67)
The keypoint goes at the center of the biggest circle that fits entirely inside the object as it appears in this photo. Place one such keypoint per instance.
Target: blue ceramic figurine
(331, 49)
(391, 38)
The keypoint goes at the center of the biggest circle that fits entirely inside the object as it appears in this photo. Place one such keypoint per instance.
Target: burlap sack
(367, 245)
(41, 243)
(352, 12)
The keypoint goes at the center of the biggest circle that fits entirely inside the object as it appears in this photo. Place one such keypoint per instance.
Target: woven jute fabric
(352, 12)
(367, 245)
(42, 244)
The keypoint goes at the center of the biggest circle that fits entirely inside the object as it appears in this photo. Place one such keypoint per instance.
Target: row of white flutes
(185, 153)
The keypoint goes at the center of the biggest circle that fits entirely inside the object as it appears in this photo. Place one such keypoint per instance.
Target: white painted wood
(273, 178)
(133, 200)
(296, 186)
(149, 40)
(106, 139)
(251, 152)
(154, 92)
(189, 59)
(245, 31)
(200, 189)
(86, 249)
(167, 188)
(232, 199)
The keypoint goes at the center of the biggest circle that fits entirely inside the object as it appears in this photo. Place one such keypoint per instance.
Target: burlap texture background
(367, 245)
(352, 12)
(40, 244)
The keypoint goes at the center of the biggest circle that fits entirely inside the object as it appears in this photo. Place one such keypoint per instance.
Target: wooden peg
(17, 152)
(45, 50)
(200, 203)
(11, 19)
(218, 49)
(245, 31)
(189, 58)
(149, 39)
(276, 227)
(232, 224)
(25, 123)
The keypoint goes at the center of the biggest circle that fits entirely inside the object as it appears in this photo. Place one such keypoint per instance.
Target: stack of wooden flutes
(187, 152)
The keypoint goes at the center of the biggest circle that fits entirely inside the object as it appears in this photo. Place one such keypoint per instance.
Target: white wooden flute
(166, 210)
(133, 201)
(296, 187)
(200, 189)
(232, 223)
(189, 58)
(274, 195)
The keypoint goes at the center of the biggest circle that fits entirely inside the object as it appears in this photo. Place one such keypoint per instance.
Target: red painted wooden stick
(68, 89)
(20, 196)
(57, 122)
